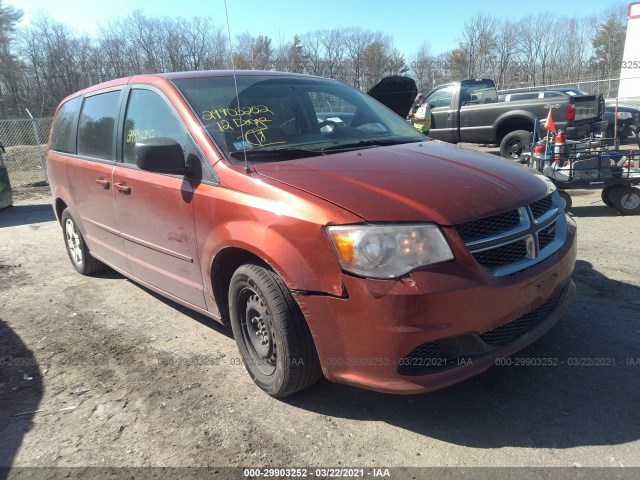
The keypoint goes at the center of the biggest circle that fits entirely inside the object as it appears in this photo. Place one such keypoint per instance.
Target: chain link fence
(23, 143)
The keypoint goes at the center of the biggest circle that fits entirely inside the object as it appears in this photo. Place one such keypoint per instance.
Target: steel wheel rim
(257, 331)
(630, 201)
(73, 242)
(515, 148)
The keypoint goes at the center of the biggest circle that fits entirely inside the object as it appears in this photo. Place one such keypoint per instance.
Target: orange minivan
(330, 235)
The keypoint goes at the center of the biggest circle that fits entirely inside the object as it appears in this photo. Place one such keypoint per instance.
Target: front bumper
(365, 338)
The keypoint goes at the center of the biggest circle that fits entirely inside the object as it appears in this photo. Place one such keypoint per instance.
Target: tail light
(571, 112)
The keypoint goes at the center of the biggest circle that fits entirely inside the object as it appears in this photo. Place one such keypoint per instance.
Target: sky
(407, 22)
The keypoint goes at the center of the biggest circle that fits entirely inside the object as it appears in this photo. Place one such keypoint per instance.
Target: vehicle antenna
(235, 82)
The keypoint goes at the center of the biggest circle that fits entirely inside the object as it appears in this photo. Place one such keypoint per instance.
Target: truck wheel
(271, 333)
(565, 198)
(608, 194)
(627, 201)
(514, 144)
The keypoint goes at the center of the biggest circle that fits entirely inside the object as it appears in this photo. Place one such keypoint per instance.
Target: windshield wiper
(369, 143)
(276, 152)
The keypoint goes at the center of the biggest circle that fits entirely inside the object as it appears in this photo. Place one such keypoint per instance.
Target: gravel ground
(99, 372)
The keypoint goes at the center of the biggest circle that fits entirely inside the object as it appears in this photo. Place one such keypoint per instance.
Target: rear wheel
(565, 198)
(272, 335)
(77, 249)
(627, 200)
(515, 144)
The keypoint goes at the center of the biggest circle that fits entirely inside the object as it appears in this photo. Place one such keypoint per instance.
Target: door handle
(122, 188)
(103, 183)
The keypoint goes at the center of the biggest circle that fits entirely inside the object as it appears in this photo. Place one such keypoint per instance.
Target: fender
(286, 253)
(514, 116)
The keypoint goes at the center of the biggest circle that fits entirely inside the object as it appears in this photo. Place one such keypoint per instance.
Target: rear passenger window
(97, 124)
(63, 136)
(149, 116)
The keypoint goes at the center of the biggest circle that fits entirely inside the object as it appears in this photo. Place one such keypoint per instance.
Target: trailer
(591, 163)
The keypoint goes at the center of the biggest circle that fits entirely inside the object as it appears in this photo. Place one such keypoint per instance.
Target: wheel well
(60, 206)
(222, 269)
(512, 126)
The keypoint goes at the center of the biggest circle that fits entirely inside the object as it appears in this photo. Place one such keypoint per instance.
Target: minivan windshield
(273, 118)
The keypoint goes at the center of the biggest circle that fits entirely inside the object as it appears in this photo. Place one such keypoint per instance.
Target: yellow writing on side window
(134, 136)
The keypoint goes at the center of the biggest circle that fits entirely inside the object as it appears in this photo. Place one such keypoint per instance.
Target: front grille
(501, 256)
(446, 353)
(517, 239)
(510, 332)
(541, 207)
(546, 236)
(489, 226)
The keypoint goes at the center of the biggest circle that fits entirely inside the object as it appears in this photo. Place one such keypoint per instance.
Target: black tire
(608, 194)
(565, 198)
(627, 200)
(271, 333)
(514, 144)
(77, 249)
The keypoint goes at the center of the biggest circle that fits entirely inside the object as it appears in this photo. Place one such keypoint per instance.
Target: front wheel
(77, 249)
(515, 144)
(272, 335)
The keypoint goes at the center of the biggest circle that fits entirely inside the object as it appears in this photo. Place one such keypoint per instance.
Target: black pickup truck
(471, 111)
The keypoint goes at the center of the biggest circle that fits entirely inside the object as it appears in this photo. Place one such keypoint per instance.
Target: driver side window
(441, 97)
(149, 116)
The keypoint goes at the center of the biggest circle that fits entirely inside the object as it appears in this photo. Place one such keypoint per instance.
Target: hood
(417, 182)
(397, 93)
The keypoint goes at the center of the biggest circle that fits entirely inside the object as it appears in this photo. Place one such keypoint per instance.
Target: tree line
(42, 63)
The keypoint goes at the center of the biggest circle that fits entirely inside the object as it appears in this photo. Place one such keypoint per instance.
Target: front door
(442, 113)
(156, 210)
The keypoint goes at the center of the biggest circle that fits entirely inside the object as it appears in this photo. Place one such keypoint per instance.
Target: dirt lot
(97, 371)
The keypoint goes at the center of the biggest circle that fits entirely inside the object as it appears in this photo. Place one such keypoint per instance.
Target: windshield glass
(285, 114)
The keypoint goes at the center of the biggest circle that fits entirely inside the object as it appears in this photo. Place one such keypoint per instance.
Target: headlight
(388, 251)
(624, 116)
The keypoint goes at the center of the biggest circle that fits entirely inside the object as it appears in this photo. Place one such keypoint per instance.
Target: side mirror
(161, 154)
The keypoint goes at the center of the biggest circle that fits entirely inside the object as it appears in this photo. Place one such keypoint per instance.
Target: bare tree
(356, 42)
(253, 53)
(333, 44)
(52, 58)
(479, 41)
(312, 53)
(423, 67)
(505, 50)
